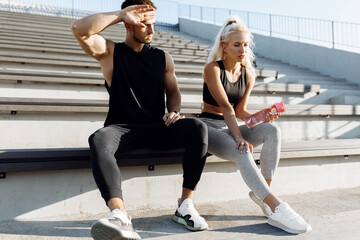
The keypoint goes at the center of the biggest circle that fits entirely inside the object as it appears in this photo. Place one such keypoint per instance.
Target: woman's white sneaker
(187, 215)
(288, 220)
(264, 207)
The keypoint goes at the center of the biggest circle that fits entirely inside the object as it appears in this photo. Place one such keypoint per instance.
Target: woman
(229, 77)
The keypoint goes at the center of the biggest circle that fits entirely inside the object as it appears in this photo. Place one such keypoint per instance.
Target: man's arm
(87, 32)
(173, 96)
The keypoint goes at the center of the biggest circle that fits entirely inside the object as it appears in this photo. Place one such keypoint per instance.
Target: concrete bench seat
(49, 44)
(11, 17)
(62, 159)
(68, 39)
(81, 85)
(37, 105)
(54, 24)
(23, 160)
(50, 30)
(24, 75)
(75, 50)
(15, 105)
(87, 62)
(263, 88)
(323, 83)
(182, 54)
(36, 37)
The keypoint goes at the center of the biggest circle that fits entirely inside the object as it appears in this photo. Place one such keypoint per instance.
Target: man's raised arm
(86, 30)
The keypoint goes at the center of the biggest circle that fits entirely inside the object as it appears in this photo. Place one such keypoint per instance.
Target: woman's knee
(274, 131)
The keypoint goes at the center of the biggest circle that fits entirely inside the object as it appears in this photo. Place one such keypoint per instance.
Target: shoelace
(192, 210)
(127, 224)
(288, 213)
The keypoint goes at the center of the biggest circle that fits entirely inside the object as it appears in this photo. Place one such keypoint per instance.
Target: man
(137, 77)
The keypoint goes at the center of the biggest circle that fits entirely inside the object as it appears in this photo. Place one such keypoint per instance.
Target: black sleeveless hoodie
(144, 72)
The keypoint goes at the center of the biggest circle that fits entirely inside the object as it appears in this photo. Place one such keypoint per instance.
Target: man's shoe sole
(103, 231)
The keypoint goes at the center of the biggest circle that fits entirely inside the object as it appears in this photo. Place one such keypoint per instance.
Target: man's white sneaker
(187, 215)
(116, 226)
(264, 207)
(288, 220)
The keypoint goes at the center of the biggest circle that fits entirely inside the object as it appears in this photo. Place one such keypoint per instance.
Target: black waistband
(211, 115)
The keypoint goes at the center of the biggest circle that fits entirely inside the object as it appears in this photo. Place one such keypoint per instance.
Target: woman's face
(237, 46)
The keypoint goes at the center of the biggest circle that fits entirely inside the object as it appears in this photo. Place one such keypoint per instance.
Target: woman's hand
(242, 145)
(170, 118)
(271, 118)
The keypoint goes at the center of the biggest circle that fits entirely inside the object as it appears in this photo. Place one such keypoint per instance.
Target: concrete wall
(52, 193)
(332, 62)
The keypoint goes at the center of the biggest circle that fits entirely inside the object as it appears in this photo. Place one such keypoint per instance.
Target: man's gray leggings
(223, 145)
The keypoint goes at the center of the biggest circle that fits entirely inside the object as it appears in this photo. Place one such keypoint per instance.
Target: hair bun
(232, 21)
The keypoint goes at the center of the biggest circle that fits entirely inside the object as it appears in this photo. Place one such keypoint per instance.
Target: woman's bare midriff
(211, 109)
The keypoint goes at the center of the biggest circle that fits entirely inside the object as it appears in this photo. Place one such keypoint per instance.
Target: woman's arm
(212, 79)
(241, 108)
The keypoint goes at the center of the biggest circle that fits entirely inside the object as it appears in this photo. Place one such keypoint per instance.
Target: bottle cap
(280, 107)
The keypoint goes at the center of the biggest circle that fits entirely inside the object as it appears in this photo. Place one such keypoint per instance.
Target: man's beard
(136, 39)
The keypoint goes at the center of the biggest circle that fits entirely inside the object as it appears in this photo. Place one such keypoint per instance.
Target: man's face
(144, 34)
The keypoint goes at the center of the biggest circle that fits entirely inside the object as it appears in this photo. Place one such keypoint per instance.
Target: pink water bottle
(260, 116)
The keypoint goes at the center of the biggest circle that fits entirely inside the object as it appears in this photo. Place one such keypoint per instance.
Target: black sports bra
(234, 91)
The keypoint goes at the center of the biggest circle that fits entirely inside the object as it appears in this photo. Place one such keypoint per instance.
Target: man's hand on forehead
(149, 21)
(139, 15)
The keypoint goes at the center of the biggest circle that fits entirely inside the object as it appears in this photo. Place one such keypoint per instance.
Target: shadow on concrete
(260, 229)
(161, 226)
(148, 227)
(75, 229)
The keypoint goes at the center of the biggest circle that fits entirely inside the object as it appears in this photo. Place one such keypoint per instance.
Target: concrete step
(91, 87)
(80, 63)
(323, 83)
(71, 128)
(314, 78)
(67, 211)
(286, 67)
(63, 29)
(345, 99)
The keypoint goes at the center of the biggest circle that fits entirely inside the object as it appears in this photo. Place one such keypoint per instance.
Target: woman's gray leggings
(223, 145)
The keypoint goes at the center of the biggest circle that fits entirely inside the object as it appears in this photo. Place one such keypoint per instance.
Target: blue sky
(343, 10)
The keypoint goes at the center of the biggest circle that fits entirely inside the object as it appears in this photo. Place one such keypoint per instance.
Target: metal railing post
(270, 25)
(190, 11)
(178, 10)
(248, 19)
(298, 28)
(72, 8)
(214, 15)
(333, 34)
(201, 13)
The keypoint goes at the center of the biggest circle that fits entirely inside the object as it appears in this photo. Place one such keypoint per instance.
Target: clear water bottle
(260, 117)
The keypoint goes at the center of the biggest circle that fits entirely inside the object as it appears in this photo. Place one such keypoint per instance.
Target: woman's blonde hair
(232, 24)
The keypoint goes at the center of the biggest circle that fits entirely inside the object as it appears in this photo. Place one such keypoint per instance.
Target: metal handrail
(333, 34)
